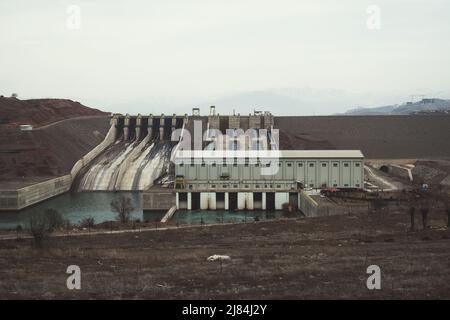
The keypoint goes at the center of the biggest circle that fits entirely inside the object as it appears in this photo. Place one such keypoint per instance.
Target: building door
(270, 201)
(233, 201)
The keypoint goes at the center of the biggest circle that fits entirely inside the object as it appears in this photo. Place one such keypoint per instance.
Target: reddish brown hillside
(63, 132)
(40, 112)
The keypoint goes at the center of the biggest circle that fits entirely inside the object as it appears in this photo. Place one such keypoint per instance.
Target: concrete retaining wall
(27, 196)
(160, 200)
(307, 205)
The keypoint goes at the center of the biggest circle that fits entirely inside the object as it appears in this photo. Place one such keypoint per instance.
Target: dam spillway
(138, 158)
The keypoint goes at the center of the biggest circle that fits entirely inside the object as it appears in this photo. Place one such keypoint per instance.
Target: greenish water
(76, 206)
(219, 216)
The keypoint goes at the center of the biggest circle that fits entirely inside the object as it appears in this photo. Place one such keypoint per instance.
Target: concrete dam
(137, 157)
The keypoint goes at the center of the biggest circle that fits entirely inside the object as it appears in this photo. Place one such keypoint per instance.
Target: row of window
(246, 186)
(289, 164)
(257, 186)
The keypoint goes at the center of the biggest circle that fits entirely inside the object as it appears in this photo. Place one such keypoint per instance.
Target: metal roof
(283, 154)
(322, 154)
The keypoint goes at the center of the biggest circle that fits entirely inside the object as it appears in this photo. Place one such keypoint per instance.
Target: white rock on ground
(218, 257)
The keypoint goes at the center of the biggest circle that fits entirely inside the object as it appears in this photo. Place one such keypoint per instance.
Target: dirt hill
(63, 132)
(382, 137)
(40, 112)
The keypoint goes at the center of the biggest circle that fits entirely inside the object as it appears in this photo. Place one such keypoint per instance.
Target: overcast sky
(179, 52)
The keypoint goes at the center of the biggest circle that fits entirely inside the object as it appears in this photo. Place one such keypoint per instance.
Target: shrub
(123, 208)
(87, 222)
(44, 223)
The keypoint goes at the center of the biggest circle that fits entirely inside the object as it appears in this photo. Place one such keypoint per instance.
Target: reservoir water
(222, 216)
(75, 206)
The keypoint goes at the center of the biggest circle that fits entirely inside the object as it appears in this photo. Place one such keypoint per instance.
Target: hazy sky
(179, 52)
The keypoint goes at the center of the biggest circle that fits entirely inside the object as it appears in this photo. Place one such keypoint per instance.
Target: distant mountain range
(281, 102)
(424, 106)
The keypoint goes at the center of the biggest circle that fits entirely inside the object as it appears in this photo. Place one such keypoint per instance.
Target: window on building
(345, 164)
(224, 186)
(356, 164)
(192, 164)
(213, 186)
(300, 164)
(279, 186)
(335, 164)
(257, 186)
(311, 164)
(324, 165)
(235, 186)
(335, 185)
(357, 185)
(203, 164)
(346, 185)
(311, 185)
(213, 164)
(289, 164)
(246, 186)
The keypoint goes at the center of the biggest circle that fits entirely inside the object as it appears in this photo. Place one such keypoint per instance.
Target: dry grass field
(287, 259)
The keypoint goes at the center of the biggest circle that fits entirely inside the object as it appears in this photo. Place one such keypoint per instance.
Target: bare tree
(123, 208)
(424, 209)
(43, 224)
(444, 198)
(412, 210)
(18, 230)
(87, 222)
(55, 219)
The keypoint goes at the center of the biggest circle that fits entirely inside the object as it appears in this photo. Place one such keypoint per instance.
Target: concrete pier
(138, 126)
(150, 126)
(174, 122)
(161, 127)
(126, 125)
(244, 200)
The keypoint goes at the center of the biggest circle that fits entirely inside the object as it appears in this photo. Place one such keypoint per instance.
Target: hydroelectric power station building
(234, 180)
